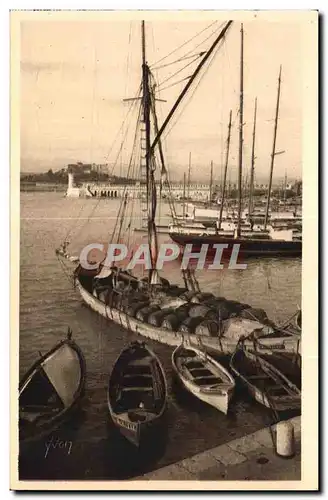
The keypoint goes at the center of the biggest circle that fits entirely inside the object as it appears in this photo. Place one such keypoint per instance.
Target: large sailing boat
(153, 307)
(254, 239)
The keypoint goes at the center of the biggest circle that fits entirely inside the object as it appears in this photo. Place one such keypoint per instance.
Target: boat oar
(288, 321)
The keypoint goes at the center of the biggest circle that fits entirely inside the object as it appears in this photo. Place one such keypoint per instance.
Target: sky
(75, 75)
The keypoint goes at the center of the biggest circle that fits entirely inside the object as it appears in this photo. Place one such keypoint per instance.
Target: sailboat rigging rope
(184, 44)
(65, 269)
(122, 216)
(132, 105)
(70, 229)
(192, 92)
(125, 196)
(175, 83)
(128, 59)
(135, 174)
(132, 204)
(164, 172)
(126, 90)
(73, 228)
(93, 100)
(183, 58)
(123, 202)
(88, 218)
(124, 137)
(118, 218)
(160, 85)
(187, 55)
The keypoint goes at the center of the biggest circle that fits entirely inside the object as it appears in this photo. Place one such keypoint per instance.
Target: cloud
(48, 67)
(31, 67)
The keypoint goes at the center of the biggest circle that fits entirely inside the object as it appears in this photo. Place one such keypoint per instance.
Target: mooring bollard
(285, 442)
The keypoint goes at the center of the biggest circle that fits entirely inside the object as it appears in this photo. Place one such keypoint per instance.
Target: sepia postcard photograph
(164, 250)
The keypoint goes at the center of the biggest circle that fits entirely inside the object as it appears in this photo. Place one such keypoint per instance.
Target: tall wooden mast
(145, 100)
(211, 182)
(273, 154)
(225, 171)
(184, 196)
(151, 186)
(251, 183)
(285, 190)
(241, 124)
(189, 177)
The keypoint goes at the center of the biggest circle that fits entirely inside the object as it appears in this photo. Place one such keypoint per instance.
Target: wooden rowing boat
(203, 376)
(268, 385)
(137, 393)
(50, 389)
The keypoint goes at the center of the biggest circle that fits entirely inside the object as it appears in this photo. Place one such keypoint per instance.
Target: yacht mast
(225, 171)
(189, 178)
(251, 184)
(211, 182)
(285, 190)
(241, 123)
(273, 154)
(145, 99)
(184, 196)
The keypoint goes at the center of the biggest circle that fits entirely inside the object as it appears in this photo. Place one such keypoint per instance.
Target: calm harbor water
(49, 305)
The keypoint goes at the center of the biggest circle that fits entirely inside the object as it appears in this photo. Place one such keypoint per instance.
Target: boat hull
(218, 396)
(73, 367)
(219, 399)
(141, 434)
(266, 345)
(268, 403)
(248, 248)
(130, 431)
(138, 431)
(289, 396)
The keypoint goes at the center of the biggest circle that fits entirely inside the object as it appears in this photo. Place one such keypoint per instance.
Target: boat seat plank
(141, 362)
(201, 368)
(200, 377)
(136, 389)
(213, 380)
(205, 373)
(133, 375)
(191, 365)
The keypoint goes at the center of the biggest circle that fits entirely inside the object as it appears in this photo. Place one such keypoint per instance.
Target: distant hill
(82, 173)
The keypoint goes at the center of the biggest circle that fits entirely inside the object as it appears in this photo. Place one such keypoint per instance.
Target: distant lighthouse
(72, 192)
(70, 180)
